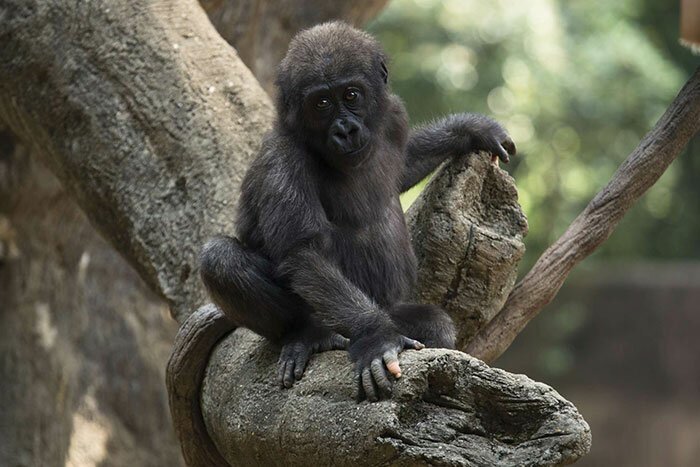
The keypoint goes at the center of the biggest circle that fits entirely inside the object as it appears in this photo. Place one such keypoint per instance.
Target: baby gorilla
(323, 259)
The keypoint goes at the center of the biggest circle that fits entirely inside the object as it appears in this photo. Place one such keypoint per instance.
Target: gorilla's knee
(444, 333)
(219, 261)
(429, 324)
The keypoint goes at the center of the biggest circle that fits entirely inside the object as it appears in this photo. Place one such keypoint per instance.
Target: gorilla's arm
(375, 340)
(455, 135)
(337, 303)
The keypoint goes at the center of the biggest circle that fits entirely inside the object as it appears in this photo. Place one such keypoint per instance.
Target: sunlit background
(578, 84)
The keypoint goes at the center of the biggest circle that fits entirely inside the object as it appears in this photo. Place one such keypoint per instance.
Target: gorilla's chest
(377, 256)
(358, 200)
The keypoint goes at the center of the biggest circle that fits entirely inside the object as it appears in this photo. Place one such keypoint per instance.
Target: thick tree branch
(594, 225)
(197, 337)
(448, 409)
(147, 117)
(467, 229)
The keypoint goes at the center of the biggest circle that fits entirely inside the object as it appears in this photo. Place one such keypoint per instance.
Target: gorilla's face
(332, 87)
(336, 116)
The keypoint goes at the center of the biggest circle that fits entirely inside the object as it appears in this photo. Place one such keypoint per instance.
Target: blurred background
(578, 84)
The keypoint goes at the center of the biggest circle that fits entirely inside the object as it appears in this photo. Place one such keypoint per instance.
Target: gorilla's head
(331, 86)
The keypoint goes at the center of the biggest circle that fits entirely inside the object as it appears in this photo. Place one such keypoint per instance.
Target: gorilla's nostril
(340, 135)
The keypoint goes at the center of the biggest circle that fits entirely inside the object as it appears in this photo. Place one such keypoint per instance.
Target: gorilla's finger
(509, 146)
(391, 359)
(360, 389)
(501, 153)
(368, 385)
(280, 371)
(339, 342)
(289, 374)
(380, 378)
(300, 362)
(409, 343)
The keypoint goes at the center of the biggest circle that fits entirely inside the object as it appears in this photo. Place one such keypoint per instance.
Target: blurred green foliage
(576, 83)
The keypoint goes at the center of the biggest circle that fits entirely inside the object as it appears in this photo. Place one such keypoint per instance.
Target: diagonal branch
(594, 225)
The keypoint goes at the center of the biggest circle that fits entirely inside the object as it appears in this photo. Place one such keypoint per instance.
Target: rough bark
(448, 409)
(82, 340)
(260, 30)
(468, 229)
(195, 340)
(146, 116)
(679, 124)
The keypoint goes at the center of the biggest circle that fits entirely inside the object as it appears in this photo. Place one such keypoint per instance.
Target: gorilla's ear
(384, 72)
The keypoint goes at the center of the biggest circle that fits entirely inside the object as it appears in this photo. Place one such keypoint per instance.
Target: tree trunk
(82, 340)
(146, 116)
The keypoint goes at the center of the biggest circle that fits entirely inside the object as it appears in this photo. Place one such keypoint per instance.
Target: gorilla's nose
(344, 133)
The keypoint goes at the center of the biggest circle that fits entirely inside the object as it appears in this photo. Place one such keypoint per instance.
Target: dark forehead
(331, 85)
(329, 52)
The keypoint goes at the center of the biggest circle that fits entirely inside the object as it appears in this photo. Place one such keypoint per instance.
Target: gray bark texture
(448, 409)
(148, 118)
(467, 229)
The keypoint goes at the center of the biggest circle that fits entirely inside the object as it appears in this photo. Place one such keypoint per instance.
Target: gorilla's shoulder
(275, 144)
(280, 158)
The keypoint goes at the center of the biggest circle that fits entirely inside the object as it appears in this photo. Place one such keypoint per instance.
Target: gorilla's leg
(241, 282)
(428, 324)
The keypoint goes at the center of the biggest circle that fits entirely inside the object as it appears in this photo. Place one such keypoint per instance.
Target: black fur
(324, 259)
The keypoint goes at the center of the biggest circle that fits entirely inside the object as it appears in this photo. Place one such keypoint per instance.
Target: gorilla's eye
(323, 103)
(350, 95)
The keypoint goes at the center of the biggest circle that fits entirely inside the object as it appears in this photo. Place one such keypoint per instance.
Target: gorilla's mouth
(357, 151)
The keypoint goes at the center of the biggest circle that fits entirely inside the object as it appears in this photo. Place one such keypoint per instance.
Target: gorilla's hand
(298, 349)
(373, 354)
(486, 134)
(453, 136)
